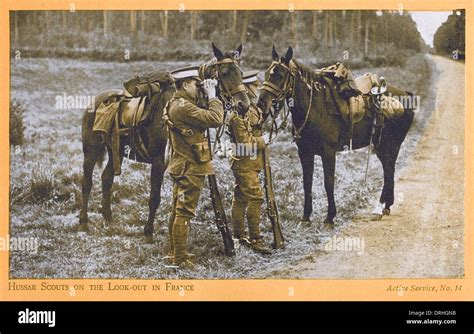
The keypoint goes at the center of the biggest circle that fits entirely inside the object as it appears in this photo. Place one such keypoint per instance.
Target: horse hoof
(386, 212)
(328, 222)
(148, 239)
(83, 228)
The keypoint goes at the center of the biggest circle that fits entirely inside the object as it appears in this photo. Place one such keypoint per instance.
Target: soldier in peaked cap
(246, 134)
(190, 160)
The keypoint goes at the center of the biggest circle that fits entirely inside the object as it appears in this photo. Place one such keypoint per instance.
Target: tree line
(360, 30)
(450, 36)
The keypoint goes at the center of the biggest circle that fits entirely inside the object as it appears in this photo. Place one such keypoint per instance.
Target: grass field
(46, 175)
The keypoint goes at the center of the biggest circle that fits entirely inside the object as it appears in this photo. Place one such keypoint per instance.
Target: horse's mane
(306, 71)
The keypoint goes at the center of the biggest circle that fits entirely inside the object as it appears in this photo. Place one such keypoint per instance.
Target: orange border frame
(288, 290)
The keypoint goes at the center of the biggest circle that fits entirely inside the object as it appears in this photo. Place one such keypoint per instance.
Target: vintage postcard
(254, 150)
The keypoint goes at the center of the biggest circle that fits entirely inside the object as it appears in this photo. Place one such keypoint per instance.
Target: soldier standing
(246, 134)
(190, 161)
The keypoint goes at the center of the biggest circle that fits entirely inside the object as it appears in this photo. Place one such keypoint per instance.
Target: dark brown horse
(154, 135)
(319, 131)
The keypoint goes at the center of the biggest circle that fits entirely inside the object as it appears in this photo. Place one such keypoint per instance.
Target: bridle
(285, 94)
(288, 83)
(226, 94)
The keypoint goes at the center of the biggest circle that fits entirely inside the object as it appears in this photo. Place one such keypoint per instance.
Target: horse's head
(226, 70)
(278, 82)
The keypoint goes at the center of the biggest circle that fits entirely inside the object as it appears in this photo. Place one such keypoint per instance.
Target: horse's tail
(91, 142)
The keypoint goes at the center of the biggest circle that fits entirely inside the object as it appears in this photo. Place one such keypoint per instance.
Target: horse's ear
(238, 52)
(275, 55)
(288, 56)
(217, 53)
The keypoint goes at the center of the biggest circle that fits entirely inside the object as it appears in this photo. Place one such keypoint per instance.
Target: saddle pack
(360, 96)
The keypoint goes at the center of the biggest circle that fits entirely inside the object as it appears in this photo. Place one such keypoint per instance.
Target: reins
(285, 94)
(225, 94)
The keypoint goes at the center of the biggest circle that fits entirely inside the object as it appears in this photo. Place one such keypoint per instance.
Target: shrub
(16, 124)
(42, 185)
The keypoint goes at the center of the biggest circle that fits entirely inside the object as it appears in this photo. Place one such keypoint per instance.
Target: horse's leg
(107, 182)
(329, 166)
(388, 156)
(157, 173)
(307, 163)
(91, 155)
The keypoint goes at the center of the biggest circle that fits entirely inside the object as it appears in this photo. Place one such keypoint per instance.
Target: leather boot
(253, 218)
(258, 245)
(170, 235)
(180, 239)
(238, 217)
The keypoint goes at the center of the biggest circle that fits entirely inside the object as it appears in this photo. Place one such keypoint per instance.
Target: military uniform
(248, 195)
(189, 163)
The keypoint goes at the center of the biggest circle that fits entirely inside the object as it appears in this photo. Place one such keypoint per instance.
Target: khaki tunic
(186, 115)
(247, 131)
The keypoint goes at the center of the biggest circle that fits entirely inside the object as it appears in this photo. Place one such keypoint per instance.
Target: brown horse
(154, 135)
(318, 130)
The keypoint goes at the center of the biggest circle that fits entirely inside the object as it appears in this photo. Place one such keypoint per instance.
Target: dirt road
(424, 236)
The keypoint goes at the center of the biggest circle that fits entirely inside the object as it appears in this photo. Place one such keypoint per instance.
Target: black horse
(154, 135)
(317, 129)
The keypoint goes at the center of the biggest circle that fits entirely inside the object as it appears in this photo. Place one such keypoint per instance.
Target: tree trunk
(366, 38)
(294, 32)
(15, 22)
(133, 22)
(142, 21)
(164, 23)
(359, 27)
(105, 22)
(353, 27)
(193, 24)
(326, 28)
(245, 23)
(331, 28)
(234, 22)
(314, 29)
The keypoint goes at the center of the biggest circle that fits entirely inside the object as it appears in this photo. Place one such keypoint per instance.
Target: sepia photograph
(236, 144)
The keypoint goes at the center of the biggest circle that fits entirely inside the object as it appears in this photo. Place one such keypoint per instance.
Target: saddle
(122, 115)
(355, 97)
(133, 112)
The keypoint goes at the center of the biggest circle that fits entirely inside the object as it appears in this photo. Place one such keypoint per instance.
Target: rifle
(272, 209)
(219, 211)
